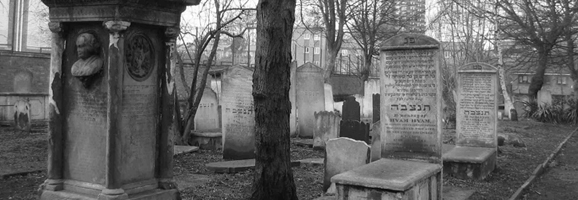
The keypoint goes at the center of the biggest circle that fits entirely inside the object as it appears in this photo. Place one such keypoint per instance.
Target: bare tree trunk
(273, 178)
(330, 57)
(538, 78)
(508, 105)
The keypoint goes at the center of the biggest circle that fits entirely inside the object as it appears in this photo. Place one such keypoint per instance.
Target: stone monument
(238, 114)
(475, 154)
(310, 97)
(207, 117)
(111, 70)
(326, 128)
(411, 129)
(351, 109)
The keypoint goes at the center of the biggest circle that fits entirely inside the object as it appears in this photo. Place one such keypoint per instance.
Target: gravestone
(22, 116)
(376, 108)
(354, 129)
(328, 89)
(341, 155)
(238, 114)
(110, 139)
(292, 99)
(351, 109)
(410, 124)
(544, 97)
(475, 154)
(207, 116)
(310, 97)
(326, 128)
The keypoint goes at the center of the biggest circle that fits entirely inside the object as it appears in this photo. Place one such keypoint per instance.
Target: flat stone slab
(235, 166)
(388, 174)
(191, 180)
(180, 149)
(455, 193)
(468, 154)
(303, 142)
(209, 134)
(447, 147)
(311, 161)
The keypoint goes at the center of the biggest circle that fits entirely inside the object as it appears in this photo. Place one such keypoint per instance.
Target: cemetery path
(561, 180)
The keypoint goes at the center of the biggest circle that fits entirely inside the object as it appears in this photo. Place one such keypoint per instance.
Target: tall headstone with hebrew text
(112, 99)
(238, 114)
(310, 97)
(410, 125)
(475, 154)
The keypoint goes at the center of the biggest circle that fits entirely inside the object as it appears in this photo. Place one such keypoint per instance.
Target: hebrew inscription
(476, 108)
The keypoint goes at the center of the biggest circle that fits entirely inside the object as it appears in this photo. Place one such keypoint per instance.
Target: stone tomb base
(388, 179)
(148, 195)
(210, 139)
(470, 162)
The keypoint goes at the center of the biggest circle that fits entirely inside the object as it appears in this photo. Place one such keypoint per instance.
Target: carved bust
(89, 62)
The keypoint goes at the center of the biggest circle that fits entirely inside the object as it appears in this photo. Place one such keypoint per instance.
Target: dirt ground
(515, 164)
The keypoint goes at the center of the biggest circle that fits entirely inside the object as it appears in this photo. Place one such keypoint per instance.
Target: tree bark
(508, 105)
(538, 77)
(273, 178)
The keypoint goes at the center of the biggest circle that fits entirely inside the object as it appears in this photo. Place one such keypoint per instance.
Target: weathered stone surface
(238, 114)
(351, 110)
(388, 174)
(328, 93)
(410, 98)
(207, 117)
(476, 109)
(23, 82)
(375, 137)
(355, 130)
(209, 139)
(310, 97)
(470, 162)
(341, 155)
(180, 149)
(327, 125)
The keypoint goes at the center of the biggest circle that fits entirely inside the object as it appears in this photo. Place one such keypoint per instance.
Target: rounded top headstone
(410, 41)
(478, 67)
(309, 67)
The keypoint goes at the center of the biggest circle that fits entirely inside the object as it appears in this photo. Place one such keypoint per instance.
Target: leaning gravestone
(328, 89)
(110, 139)
(410, 126)
(350, 109)
(238, 114)
(326, 128)
(207, 116)
(354, 129)
(475, 154)
(310, 97)
(341, 155)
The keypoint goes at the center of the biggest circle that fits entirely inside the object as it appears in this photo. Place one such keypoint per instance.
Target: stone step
(180, 149)
(235, 166)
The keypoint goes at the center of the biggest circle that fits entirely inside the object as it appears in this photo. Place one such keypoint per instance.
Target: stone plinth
(470, 162)
(388, 179)
(110, 74)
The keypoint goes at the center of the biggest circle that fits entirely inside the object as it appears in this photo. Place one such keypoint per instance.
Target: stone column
(168, 102)
(113, 188)
(55, 154)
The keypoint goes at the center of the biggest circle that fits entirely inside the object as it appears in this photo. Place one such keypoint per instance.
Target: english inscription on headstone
(410, 98)
(207, 117)
(355, 130)
(326, 128)
(477, 105)
(238, 114)
(310, 97)
(351, 109)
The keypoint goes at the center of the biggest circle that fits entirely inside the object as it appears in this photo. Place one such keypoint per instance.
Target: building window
(316, 63)
(523, 79)
(344, 52)
(306, 49)
(561, 80)
(24, 26)
(316, 50)
(316, 37)
(306, 36)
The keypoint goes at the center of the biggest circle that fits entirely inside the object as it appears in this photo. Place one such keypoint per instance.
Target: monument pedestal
(387, 179)
(148, 195)
(470, 162)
